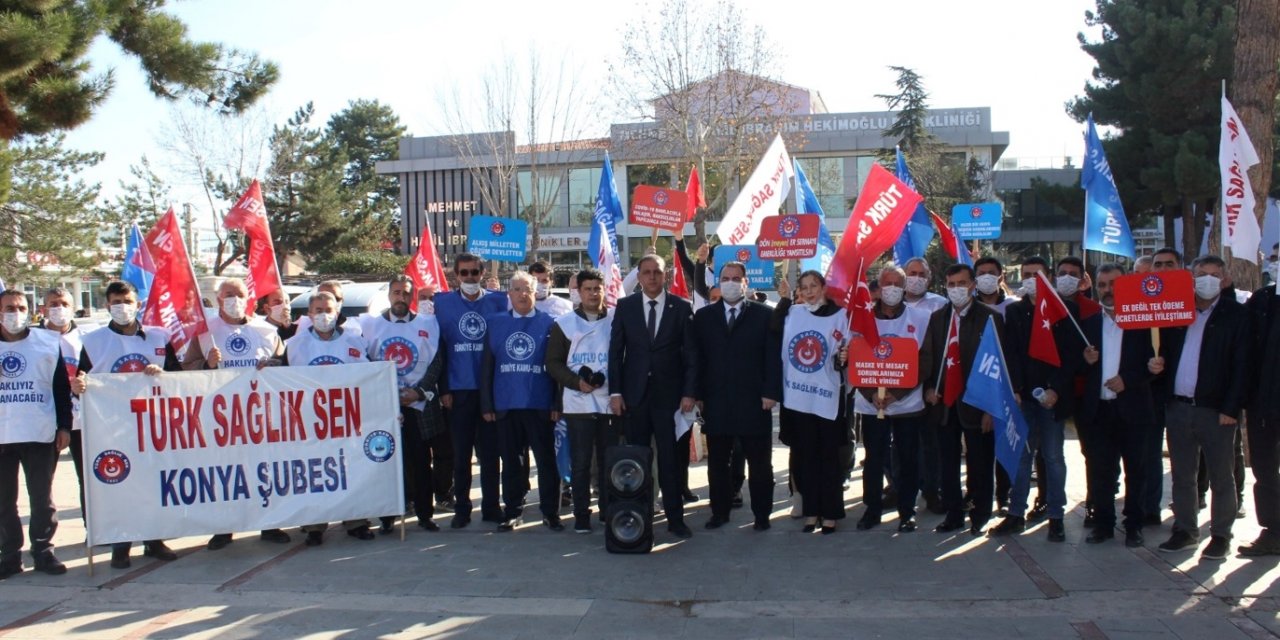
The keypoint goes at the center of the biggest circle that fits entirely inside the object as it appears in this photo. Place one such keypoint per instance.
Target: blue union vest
(463, 326)
(519, 348)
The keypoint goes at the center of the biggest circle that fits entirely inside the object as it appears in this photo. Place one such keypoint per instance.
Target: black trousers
(77, 458)
(682, 459)
(900, 434)
(470, 431)
(646, 422)
(440, 447)
(1264, 453)
(589, 436)
(521, 431)
(979, 456)
(739, 465)
(416, 466)
(1153, 462)
(1111, 440)
(37, 460)
(757, 451)
(816, 447)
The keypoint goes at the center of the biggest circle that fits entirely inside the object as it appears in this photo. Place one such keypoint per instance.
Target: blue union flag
(1105, 226)
(988, 388)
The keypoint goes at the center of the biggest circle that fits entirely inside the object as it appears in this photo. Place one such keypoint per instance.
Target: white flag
(761, 196)
(607, 262)
(1235, 155)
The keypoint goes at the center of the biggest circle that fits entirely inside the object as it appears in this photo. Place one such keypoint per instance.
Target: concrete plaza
(730, 583)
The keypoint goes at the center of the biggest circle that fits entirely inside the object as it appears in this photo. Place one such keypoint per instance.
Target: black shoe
(507, 525)
(716, 522)
(680, 530)
(387, 526)
(1010, 525)
(47, 563)
(10, 570)
(496, 518)
(1152, 520)
(1100, 535)
(459, 521)
(809, 528)
(1180, 540)
(1038, 510)
(275, 535)
(867, 521)
(1001, 511)
(1089, 518)
(977, 529)
(762, 524)
(949, 525)
(737, 501)
(159, 550)
(218, 541)
(428, 524)
(890, 496)
(1133, 538)
(120, 559)
(553, 523)
(1267, 544)
(1057, 532)
(828, 529)
(582, 524)
(689, 496)
(314, 538)
(362, 533)
(907, 526)
(934, 504)
(1217, 549)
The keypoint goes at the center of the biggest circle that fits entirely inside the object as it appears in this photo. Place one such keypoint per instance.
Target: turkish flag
(861, 310)
(249, 215)
(1088, 307)
(425, 267)
(1049, 310)
(696, 197)
(884, 206)
(954, 379)
(680, 280)
(174, 300)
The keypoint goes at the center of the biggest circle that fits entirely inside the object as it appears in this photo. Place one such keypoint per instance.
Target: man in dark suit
(652, 374)
(739, 382)
(961, 420)
(1116, 415)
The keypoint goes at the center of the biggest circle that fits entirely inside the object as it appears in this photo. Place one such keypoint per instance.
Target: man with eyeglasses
(463, 329)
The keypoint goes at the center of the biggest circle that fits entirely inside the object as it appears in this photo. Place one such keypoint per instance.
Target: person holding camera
(578, 360)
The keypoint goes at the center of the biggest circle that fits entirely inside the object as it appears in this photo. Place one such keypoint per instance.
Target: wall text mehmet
(453, 206)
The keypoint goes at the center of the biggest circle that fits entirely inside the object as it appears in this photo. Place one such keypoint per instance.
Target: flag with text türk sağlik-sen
(916, 236)
(807, 202)
(1105, 226)
(249, 214)
(988, 388)
(174, 301)
(426, 269)
(1239, 215)
(138, 269)
(883, 208)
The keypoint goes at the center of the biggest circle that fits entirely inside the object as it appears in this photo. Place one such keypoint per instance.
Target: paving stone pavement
(730, 583)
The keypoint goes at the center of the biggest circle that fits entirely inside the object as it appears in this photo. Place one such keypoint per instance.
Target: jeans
(37, 460)
(1045, 435)
(1191, 430)
(590, 435)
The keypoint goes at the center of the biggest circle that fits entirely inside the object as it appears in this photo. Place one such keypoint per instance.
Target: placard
(1145, 300)
(893, 364)
(759, 272)
(793, 236)
(495, 238)
(659, 207)
(977, 221)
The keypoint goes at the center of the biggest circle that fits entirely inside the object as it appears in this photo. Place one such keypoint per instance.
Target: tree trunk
(1253, 94)
(1192, 227)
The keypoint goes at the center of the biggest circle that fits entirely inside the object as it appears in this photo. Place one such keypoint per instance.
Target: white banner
(227, 450)
(762, 195)
(1239, 216)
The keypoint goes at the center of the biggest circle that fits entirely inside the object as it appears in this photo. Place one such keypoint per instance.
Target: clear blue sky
(1020, 58)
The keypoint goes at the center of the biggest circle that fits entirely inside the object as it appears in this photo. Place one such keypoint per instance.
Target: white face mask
(1067, 285)
(324, 322)
(988, 283)
(123, 314)
(811, 307)
(891, 295)
(541, 291)
(732, 291)
(280, 313)
(58, 316)
(14, 322)
(234, 307)
(959, 296)
(1274, 270)
(1029, 286)
(575, 297)
(470, 288)
(916, 285)
(1208, 287)
(427, 306)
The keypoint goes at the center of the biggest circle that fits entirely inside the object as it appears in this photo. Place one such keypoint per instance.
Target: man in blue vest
(34, 426)
(514, 361)
(463, 329)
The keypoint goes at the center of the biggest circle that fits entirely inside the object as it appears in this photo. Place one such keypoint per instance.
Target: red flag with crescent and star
(954, 386)
(861, 310)
(1049, 310)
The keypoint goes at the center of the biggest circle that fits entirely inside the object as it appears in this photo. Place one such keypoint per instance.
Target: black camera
(593, 378)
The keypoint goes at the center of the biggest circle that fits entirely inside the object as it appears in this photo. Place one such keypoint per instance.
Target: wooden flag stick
(880, 392)
(1155, 341)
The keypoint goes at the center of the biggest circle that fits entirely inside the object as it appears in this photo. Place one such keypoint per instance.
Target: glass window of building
(828, 180)
(545, 201)
(584, 186)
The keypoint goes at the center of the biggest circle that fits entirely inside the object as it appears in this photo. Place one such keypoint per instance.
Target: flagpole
(950, 322)
(1054, 292)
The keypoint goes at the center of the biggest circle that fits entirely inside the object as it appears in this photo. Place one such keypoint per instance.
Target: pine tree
(43, 222)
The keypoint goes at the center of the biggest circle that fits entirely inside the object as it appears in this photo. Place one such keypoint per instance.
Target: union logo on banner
(1152, 286)
(807, 351)
(661, 197)
(788, 227)
(744, 256)
(498, 229)
(111, 467)
(883, 350)
(975, 212)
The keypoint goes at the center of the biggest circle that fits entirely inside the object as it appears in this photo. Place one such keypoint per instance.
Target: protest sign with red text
(793, 236)
(1145, 300)
(659, 207)
(894, 363)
